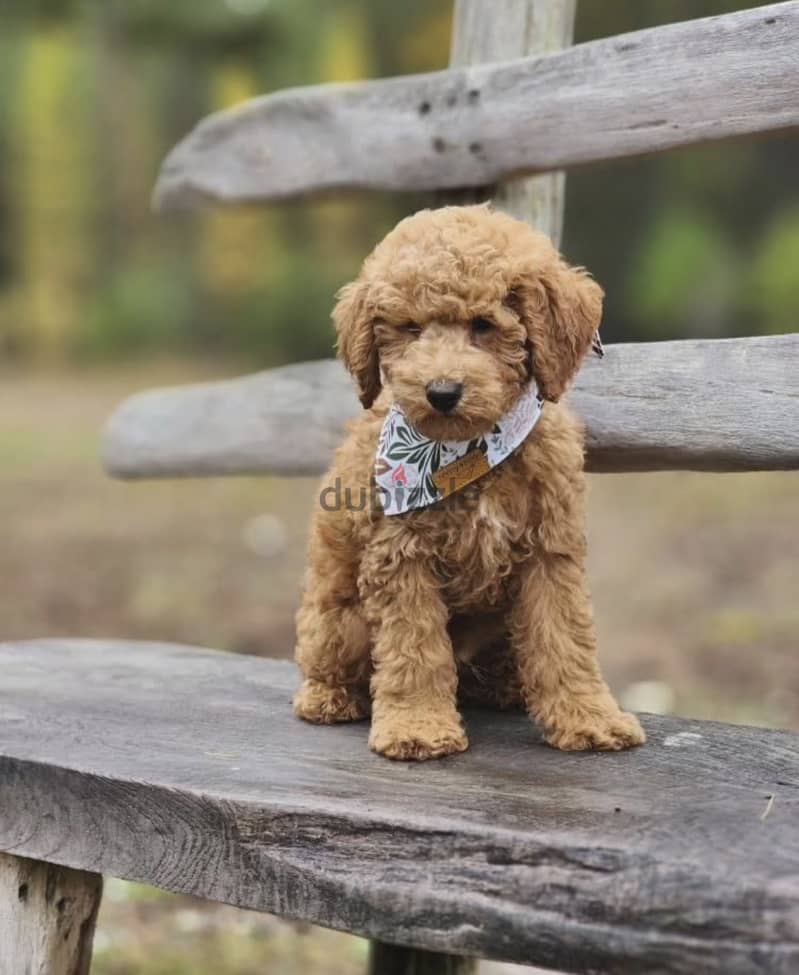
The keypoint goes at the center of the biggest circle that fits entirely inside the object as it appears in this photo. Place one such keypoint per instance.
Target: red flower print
(399, 476)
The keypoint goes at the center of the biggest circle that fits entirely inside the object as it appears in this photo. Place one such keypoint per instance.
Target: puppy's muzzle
(444, 394)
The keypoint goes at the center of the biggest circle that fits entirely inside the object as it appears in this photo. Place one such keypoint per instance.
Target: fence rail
(656, 89)
(711, 405)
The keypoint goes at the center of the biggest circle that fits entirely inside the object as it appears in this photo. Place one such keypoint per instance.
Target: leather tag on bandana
(461, 472)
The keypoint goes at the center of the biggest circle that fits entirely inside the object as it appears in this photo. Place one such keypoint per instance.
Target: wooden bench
(184, 769)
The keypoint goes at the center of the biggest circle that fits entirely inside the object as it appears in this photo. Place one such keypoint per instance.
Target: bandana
(412, 471)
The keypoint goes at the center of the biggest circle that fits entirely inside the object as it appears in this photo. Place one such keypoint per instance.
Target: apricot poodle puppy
(462, 333)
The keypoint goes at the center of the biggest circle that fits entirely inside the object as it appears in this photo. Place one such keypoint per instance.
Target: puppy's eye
(411, 328)
(482, 326)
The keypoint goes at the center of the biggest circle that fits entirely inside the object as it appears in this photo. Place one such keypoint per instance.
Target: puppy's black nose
(444, 394)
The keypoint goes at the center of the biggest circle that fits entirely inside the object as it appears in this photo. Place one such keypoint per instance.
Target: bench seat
(184, 768)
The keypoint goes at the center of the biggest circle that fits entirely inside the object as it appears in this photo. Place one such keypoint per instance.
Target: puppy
(462, 333)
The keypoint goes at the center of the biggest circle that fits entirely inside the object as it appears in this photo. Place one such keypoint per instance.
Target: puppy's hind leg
(333, 655)
(333, 642)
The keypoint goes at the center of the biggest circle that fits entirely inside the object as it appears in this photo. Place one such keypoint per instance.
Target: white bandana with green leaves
(407, 461)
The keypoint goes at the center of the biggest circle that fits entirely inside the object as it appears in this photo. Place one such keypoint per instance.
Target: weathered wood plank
(502, 31)
(47, 917)
(715, 405)
(185, 769)
(647, 91)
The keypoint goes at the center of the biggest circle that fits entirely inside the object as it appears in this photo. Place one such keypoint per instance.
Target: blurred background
(694, 576)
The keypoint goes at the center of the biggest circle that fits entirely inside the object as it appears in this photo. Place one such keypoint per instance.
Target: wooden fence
(702, 405)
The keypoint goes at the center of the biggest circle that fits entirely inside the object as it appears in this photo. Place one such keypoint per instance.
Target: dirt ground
(694, 579)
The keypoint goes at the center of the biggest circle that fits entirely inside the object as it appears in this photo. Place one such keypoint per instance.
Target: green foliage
(285, 320)
(212, 24)
(772, 287)
(39, 10)
(94, 93)
(144, 307)
(682, 278)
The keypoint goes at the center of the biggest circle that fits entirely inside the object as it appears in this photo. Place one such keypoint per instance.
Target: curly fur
(401, 614)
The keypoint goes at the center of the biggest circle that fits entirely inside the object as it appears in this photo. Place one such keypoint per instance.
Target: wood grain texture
(502, 31)
(184, 768)
(648, 91)
(715, 405)
(47, 917)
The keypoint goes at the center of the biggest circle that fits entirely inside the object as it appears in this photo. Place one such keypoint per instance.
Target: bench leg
(387, 959)
(47, 917)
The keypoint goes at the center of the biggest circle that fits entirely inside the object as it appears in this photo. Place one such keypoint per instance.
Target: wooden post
(47, 917)
(501, 31)
(498, 31)
(392, 960)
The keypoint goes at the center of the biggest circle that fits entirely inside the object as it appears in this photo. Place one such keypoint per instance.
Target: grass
(694, 580)
(145, 932)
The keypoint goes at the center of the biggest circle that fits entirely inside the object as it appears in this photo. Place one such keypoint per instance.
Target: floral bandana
(412, 471)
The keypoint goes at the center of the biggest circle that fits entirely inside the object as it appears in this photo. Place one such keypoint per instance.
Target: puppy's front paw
(415, 736)
(611, 731)
(317, 702)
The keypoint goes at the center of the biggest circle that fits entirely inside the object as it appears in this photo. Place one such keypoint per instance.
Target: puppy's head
(457, 309)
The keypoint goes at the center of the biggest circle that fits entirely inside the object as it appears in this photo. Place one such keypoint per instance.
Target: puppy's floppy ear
(561, 308)
(356, 340)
